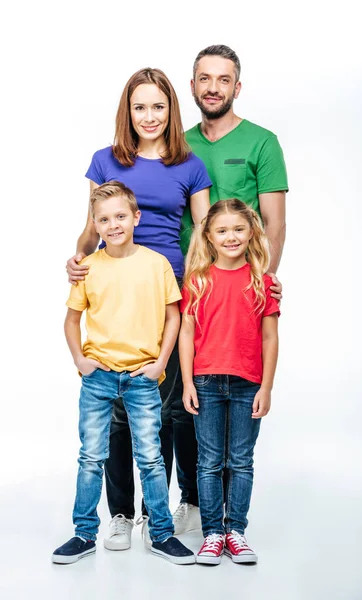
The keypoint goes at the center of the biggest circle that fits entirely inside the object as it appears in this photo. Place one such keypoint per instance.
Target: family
(182, 307)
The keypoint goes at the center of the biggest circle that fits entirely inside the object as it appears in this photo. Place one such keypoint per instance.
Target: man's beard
(214, 114)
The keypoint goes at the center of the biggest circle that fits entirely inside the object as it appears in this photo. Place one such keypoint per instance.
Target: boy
(131, 297)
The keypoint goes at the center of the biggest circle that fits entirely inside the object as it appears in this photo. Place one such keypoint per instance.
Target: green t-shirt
(246, 162)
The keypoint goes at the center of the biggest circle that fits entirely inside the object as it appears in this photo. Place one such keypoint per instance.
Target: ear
(237, 89)
(95, 225)
(192, 84)
(137, 217)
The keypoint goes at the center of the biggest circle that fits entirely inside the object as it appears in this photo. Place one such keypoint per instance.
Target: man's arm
(170, 332)
(87, 243)
(272, 209)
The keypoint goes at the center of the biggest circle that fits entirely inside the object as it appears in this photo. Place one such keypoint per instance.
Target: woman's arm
(199, 205)
(262, 400)
(86, 244)
(187, 353)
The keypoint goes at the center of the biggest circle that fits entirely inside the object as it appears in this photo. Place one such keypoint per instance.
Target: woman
(150, 156)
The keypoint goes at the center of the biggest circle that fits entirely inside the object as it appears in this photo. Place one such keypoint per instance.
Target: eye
(225, 80)
(203, 78)
(221, 231)
(103, 220)
(159, 107)
(138, 108)
(121, 216)
(239, 229)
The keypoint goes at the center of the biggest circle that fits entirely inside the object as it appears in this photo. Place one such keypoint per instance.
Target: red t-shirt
(228, 337)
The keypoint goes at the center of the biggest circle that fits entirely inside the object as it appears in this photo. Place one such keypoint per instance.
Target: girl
(228, 352)
(150, 156)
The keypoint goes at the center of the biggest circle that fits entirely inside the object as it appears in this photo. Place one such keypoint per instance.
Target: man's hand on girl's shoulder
(277, 288)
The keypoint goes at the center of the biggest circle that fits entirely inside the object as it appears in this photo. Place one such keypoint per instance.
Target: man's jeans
(226, 436)
(142, 402)
(177, 434)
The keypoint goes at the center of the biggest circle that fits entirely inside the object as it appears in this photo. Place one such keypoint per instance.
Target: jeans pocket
(201, 380)
(147, 378)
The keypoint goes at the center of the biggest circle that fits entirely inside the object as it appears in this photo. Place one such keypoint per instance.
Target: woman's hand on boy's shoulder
(261, 404)
(76, 272)
(189, 398)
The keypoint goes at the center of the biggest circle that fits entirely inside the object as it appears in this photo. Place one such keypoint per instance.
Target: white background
(64, 68)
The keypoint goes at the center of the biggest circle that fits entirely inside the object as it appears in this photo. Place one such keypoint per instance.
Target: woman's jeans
(177, 435)
(226, 436)
(142, 402)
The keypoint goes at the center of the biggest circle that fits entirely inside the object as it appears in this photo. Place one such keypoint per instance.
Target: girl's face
(230, 234)
(150, 111)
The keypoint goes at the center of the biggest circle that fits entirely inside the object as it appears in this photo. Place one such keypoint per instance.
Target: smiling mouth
(232, 246)
(116, 234)
(150, 129)
(212, 99)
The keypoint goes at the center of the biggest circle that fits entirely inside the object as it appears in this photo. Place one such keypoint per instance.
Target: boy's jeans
(226, 436)
(142, 401)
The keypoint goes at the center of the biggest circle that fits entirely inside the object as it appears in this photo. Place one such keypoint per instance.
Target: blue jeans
(226, 436)
(142, 402)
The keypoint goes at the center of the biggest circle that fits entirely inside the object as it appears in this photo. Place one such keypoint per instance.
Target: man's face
(215, 87)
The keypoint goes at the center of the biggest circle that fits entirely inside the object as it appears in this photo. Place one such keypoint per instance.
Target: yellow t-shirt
(126, 300)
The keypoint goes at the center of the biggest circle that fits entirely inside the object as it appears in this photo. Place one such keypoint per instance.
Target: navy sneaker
(73, 550)
(174, 551)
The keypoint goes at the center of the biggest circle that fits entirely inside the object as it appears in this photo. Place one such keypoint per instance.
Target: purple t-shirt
(162, 194)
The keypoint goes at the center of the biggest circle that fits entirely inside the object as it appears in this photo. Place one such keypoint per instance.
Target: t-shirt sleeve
(78, 298)
(199, 179)
(172, 291)
(271, 305)
(271, 173)
(96, 169)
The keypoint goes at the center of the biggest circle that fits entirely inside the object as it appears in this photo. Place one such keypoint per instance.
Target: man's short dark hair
(219, 50)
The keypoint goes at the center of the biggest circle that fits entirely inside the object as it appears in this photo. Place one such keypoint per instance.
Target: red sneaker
(211, 550)
(238, 550)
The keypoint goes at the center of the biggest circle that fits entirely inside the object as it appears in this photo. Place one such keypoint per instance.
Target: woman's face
(150, 111)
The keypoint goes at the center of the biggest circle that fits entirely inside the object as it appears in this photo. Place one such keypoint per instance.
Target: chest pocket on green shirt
(231, 176)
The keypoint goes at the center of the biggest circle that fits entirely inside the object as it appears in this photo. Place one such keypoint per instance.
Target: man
(243, 160)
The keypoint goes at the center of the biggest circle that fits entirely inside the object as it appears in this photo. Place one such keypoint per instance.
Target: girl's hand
(189, 398)
(75, 271)
(152, 370)
(261, 404)
(87, 365)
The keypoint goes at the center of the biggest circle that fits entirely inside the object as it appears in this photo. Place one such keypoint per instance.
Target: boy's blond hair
(111, 189)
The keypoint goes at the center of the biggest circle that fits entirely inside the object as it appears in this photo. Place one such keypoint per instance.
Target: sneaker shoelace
(141, 520)
(118, 524)
(238, 541)
(212, 543)
(179, 513)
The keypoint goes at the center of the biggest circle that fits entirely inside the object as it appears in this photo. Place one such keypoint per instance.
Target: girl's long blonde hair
(202, 254)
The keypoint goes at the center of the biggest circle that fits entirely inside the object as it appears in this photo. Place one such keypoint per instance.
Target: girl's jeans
(226, 436)
(142, 402)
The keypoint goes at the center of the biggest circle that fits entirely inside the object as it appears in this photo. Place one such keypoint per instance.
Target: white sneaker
(186, 518)
(120, 531)
(145, 533)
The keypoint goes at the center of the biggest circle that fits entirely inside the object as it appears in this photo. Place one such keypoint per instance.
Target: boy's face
(114, 221)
